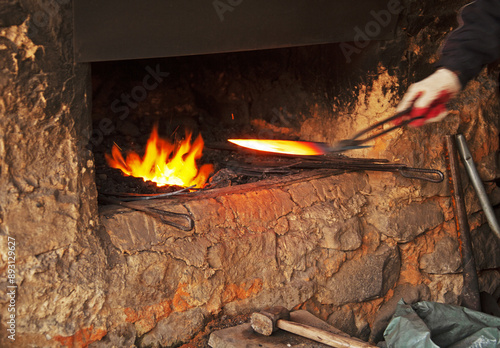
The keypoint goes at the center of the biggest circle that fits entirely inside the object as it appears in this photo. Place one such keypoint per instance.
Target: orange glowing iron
(309, 148)
(286, 147)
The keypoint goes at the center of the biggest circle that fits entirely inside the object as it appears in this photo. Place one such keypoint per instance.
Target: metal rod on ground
(181, 221)
(478, 184)
(470, 291)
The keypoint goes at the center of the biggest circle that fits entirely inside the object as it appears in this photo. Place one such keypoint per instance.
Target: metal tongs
(355, 143)
(180, 221)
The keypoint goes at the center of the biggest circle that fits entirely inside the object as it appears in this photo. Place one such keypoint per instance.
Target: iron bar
(266, 167)
(146, 196)
(478, 184)
(470, 291)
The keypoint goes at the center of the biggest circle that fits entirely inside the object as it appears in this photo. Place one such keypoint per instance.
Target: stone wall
(47, 192)
(345, 247)
(309, 242)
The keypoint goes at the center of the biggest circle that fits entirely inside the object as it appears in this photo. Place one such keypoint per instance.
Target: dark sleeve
(476, 42)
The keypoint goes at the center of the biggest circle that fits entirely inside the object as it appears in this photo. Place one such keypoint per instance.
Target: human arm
(475, 43)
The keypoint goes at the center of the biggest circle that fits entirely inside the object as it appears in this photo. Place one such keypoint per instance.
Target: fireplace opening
(268, 94)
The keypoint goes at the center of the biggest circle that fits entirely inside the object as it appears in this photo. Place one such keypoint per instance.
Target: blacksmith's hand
(429, 97)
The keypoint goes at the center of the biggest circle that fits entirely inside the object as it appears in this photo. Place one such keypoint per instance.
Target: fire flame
(164, 163)
(286, 147)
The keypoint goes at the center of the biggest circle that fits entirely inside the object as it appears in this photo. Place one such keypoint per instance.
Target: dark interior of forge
(265, 94)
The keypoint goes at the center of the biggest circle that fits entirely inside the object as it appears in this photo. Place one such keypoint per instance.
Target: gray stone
(328, 261)
(288, 296)
(305, 317)
(192, 250)
(360, 280)
(122, 336)
(292, 252)
(303, 194)
(363, 327)
(486, 247)
(344, 320)
(490, 282)
(177, 328)
(410, 294)
(444, 259)
(446, 288)
(246, 259)
(407, 222)
(345, 235)
(258, 217)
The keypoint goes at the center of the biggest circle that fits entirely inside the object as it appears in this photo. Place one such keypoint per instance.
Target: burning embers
(165, 163)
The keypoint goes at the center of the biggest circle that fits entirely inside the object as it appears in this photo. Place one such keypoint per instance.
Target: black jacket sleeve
(476, 42)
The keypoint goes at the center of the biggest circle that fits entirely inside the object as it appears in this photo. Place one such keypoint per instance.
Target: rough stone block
(328, 261)
(258, 217)
(122, 336)
(444, 259)
(486, 247)
(342, 188)
(446, 288)
(192, 250)
(249, 257)
(289, 296)
(177, 328)
(407, 222)
(489, 282)
(291, 252)
(360, 280)
(344, 235)
(303, 194)
(343, 319)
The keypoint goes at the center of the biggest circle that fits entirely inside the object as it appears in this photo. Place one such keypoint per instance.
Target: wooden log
(322, 336)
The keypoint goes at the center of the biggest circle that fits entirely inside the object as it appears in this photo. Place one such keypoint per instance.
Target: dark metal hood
(125, 29)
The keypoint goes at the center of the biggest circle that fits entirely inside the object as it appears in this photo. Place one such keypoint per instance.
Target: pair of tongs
(300, 148)
(180, 221)
(356, 143)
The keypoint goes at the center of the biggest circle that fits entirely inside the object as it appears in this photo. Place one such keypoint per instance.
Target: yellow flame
(286, 147)
(164, 163)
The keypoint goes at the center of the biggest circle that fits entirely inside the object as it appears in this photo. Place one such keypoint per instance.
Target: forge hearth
(345, 246)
